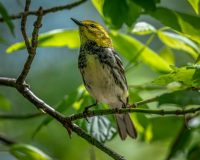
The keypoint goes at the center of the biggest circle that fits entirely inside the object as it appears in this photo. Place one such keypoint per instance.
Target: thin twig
(30, 48)
(46, 11)
(132, 110)
(20, 117)
(23, 25)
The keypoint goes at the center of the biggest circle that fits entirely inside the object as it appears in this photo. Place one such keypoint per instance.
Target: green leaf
(193, 153)
(143, 28)
(195, 5)
(167, 55)
(101, 128)
(4, 103)
(27, 152)
(6, 18)
(182, 75)
(98, 4)
(181, 98)
(147, 5)
(181, 142)
(184, 23)
(177, 41)
(55, 38)
(129, 47)
(117, 12)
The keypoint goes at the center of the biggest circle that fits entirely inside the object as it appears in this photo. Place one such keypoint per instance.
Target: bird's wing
(111, 58)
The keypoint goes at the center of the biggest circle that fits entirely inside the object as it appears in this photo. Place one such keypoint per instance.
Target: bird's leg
(87, 108)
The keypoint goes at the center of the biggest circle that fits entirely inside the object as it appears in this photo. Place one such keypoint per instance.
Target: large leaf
(4, 103)
(179, 42)
(55, 38)
(180, 98)
(129, 47)
(187, 24)
(183, 76)
(167, 54)
(98, 4)
(143, 28)
(117, 12)
(6, 18)
(28, 152)
(147, 5)
(195, 5)
(101, 128)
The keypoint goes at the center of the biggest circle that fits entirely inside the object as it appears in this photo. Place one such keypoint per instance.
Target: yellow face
(92, 31)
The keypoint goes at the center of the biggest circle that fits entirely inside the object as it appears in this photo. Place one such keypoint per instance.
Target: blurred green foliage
(159, 46)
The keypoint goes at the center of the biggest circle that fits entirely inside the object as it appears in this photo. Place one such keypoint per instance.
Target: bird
(103, 73)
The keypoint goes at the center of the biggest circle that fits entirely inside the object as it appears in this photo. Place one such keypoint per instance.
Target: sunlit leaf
(187, 24)
(179, 42)
(101, 128)
(129, 47)
(181, 98)
(28, 152)
(98, 5)
(4, 103)
(167, 55)
(55, 38)
(195, 5)
(6, 18)
(143, 28)
(183, 76)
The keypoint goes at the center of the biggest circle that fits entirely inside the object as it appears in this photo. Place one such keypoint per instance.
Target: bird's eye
(92, 25)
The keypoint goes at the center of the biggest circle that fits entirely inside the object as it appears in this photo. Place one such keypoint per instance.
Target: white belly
(101, 84)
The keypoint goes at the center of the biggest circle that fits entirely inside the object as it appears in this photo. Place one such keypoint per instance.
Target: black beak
(77, 22)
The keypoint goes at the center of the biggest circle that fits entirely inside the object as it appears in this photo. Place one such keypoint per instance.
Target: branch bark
(47, 11)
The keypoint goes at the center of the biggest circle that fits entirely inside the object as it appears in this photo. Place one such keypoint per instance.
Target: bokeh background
(54, 74)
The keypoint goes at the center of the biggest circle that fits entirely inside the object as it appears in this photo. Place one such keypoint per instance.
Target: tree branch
(96, 143)
(47, 11)
(30, 48)
(132, 110)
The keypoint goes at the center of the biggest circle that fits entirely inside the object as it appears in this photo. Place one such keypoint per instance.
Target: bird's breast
(99, 80)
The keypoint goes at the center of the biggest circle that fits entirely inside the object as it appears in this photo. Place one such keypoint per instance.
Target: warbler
(102, 72)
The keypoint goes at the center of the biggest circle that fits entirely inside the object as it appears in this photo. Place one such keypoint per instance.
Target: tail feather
(125, 126)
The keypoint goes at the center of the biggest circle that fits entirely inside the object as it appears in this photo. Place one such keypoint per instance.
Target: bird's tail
(125, 126)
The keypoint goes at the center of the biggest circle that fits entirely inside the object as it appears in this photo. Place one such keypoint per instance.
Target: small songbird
(103, 73)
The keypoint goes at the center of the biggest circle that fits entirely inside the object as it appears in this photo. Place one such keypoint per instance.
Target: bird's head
(92, 31)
